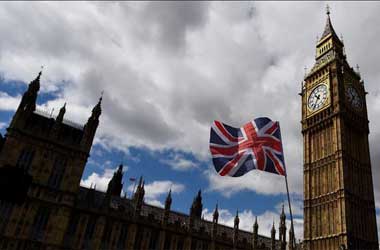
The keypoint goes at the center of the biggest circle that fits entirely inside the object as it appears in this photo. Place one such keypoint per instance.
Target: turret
(282, 229)
(91, 125)
(273, 238)
(255, 235)
(28, 101)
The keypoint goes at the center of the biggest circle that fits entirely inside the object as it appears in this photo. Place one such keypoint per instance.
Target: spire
(197, 206)
(273, 237)
(138, 197)
(328, 27)
(236, 221)
(282, 216)
(92, 125)
(168, 201)
(28, 101)
(255, 237)
(215, 215)
(115, 185)
(62, 112)
(35, 84)
(97, 110)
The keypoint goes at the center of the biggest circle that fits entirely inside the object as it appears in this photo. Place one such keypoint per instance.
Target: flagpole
(287, 192)
(290, 210)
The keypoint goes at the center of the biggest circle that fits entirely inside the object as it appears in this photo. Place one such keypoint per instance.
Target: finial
(327, 9)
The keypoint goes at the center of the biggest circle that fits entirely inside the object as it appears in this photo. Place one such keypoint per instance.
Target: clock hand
(315, 103)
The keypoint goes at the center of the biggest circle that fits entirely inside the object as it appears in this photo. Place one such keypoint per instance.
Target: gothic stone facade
(339, 209)
(59, 214)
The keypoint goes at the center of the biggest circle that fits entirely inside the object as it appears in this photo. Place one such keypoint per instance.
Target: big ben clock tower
(339, 208)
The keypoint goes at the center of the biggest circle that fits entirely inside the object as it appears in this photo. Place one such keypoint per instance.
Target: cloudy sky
(168, 70)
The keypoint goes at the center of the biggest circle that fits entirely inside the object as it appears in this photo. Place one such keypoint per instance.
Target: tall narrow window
(89, 232)
(122, 237)
(40, 222)
(153, 240)
(107, 232)
(71, 229)
(57, 172)
(5, 213)
(25, 159)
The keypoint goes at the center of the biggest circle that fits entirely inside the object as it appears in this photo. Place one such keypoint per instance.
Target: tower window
(40, 222)
(57, 172)
(25, 159)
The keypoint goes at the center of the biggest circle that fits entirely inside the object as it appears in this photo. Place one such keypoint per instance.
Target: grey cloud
(171, 20)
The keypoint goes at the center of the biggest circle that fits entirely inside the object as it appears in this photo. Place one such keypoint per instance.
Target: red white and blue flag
(256, 145)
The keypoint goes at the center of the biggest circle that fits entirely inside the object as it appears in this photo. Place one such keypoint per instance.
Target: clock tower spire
(339, 208)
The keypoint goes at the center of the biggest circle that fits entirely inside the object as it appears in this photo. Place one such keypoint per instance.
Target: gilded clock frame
(323, 80)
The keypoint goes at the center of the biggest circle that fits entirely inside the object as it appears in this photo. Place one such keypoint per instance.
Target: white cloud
(100, 180)
(9, 103)
(258, 181)
(157, 189)
(178, 161)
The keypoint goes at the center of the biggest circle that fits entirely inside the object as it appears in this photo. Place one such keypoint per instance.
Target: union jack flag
(256, 145)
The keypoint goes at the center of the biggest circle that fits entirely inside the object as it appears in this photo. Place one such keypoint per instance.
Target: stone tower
(339, 209)
(53, 151)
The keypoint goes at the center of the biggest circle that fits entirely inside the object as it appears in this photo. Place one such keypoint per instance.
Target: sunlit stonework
(339, 209)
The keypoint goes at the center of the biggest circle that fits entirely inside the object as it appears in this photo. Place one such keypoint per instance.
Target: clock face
(318, 97)
(353, 98)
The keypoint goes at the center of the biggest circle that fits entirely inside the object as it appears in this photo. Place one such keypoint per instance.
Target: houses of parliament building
(57, 213)
(47, 156)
